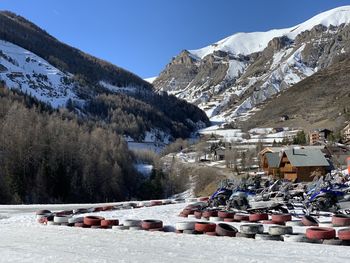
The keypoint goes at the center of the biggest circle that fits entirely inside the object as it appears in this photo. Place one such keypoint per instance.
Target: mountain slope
(319, 101)
(230, 78)
(39, 65)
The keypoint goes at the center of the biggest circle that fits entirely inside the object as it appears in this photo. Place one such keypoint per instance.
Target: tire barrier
(333, 242)
(223, 229)
(209, 213)
(61, 219)
(295, 238)
(132, 222)
(109, 222)
(344, 234)
(225, 214)
(185, 225)
(294, 223)
(205, 227)
(73, 220)
(215, 219)
(210, 233)
(151, 224)
(93, 220)
(281, 218)
(268, 237)
(309, 221)
(320, 233)
(241, 217)
(198, 214)
(341, 220)
(258, 217)
(280, 230)
(325, 224)
(251, 229)
(240, 234)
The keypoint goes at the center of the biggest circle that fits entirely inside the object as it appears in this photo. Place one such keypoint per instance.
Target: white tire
(141, 204)
(185, 225)
(204, 219)
(132, 222)
(61, 219)
(191, 200)
(294, 238)
(166, 202)
(52, 223)
(294, 223)
(280, 230)
(215, 219)
(120, 227)
(76, 220)
(268, 237)
(251, 229)
(134, 228)
(325, 224)
(191, 217)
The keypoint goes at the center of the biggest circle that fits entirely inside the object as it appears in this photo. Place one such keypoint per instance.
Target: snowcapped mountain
(232, 77)
(37, 64)
(23, 70)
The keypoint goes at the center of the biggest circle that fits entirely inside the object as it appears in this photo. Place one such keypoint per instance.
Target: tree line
(51, 156)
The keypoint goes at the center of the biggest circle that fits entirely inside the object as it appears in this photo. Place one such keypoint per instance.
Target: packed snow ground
(24, 240)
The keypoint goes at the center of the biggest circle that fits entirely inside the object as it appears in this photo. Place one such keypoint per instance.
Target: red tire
(182, 215)
(258, 217)
(203, 199)
(281, 218)
(42, 220)
(98, 209)
(93, 220)
(241, 217)
(151, 224)
(229, 220)
(156, 229)
(109, 222)
(309, 221)
(344, 234)
(156, 202)
(198, 214)
(341, 220)
(107, 208)
(320, 233)
(205, 227)
(188, 211)
(225, 214)
(267, 222)
(209, 213)
(211, 233)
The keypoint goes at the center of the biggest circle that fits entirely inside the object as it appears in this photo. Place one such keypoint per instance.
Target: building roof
(273, 159)
(306, 157)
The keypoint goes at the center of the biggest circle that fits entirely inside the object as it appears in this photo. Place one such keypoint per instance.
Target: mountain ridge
(230, 85)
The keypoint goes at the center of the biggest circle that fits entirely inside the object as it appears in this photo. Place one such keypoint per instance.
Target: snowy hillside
(72, 244)
(248, 43)
(233, 77)
(23, 70)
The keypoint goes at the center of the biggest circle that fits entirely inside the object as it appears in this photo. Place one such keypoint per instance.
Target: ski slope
(24, 240)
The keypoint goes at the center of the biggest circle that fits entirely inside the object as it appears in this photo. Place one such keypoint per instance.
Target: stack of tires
(152, 225)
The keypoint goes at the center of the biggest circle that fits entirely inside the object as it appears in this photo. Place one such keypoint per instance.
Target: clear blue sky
(143, 35)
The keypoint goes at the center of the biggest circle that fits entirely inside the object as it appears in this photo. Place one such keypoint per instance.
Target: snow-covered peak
(150, 80)
(248, 43)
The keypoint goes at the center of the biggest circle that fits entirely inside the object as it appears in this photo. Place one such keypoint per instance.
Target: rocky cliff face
(234, 76)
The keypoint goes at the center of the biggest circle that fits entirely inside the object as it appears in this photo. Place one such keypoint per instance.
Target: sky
(143, 35)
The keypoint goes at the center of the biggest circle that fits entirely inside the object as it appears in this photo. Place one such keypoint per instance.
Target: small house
(299, 164)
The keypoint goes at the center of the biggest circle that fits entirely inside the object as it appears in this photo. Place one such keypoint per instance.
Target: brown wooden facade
(292, 173)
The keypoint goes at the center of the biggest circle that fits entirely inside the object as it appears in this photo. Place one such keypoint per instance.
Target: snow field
(24, 240)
